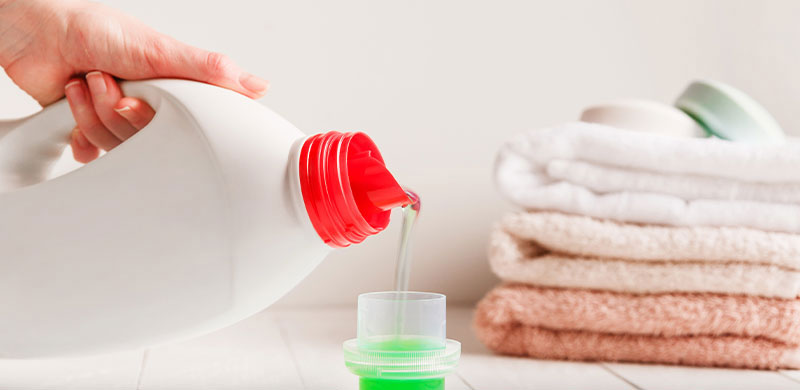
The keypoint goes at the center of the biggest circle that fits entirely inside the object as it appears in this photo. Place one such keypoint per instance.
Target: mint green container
(729, 113)
(401, 343)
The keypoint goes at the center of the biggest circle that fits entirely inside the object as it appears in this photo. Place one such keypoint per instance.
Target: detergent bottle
(206, 216)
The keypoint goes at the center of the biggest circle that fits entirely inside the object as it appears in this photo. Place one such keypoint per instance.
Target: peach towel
(523, 259)
(502, 331)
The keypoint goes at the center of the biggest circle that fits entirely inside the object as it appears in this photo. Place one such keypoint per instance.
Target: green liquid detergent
(412, 382)
(400, 384)
(401, 342)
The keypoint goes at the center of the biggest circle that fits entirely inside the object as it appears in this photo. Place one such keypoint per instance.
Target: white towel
(604, 172)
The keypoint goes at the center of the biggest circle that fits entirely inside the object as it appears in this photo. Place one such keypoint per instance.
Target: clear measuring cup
(401, 342)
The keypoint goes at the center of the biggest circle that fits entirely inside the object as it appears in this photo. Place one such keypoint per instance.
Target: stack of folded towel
(641, 247)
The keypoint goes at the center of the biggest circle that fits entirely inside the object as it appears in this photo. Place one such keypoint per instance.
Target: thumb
(171, 58)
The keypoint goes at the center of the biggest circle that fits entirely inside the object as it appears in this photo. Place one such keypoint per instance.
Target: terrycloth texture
(605, 179)
(675, 314)
(603, 172)
(589, 237)
(518, 260)
(728, 351)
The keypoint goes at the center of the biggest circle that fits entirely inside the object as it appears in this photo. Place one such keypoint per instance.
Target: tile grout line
(789, 377)
(285, 338)
(620, 377)
(141, 369)
(458, 375)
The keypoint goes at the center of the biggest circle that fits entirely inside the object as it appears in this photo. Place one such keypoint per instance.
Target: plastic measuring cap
(402, 342)
(729, 113)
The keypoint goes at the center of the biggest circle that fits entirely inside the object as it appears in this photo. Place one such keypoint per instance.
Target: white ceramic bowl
(645, 116)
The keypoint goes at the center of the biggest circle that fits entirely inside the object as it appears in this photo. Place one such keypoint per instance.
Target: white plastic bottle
(208, 215)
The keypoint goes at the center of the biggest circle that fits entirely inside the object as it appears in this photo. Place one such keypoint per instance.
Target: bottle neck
(347, 191)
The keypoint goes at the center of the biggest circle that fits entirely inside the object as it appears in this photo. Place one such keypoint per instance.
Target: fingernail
(126, 112)
(74, 92)
(79, 138)
(253, 84)
(97, 83)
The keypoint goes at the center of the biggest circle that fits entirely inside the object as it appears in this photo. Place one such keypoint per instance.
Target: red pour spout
(372, 184)
(347, 190)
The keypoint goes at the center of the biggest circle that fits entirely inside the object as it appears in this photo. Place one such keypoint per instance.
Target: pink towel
(672, 314)
(503, 332)
(721, 351)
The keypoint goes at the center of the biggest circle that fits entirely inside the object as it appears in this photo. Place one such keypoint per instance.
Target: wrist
(10, 13)
(22, 22)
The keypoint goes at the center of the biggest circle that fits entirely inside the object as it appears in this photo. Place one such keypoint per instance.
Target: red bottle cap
(347, 190)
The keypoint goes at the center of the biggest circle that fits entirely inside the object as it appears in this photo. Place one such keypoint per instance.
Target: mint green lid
(729, 113)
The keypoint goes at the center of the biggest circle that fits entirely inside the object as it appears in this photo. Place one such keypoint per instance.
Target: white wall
(440, 84)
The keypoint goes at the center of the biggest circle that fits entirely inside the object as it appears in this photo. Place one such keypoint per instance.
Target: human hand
(50, 48)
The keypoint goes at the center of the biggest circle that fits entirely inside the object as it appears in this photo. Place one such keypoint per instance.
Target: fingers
(171, 58)
(135, 111)
(105, 95)
(104, 118)
(82, 150)
(80, 102)
(218, 69)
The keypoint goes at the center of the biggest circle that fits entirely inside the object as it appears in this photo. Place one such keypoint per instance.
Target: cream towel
(577, 235)
(604, 172)
(518, 260)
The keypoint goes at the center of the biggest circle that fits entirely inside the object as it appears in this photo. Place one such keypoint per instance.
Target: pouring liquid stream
(403, 266)
(403, 270)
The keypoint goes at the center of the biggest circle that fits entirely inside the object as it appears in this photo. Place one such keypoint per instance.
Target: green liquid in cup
(401, 384)
(402, 344)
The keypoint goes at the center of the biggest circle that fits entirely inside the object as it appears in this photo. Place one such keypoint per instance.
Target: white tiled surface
(296, 349)
(249, 355)
(113, 372)
(695, 378)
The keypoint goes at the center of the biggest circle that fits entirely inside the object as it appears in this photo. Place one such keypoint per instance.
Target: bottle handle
(30, 146)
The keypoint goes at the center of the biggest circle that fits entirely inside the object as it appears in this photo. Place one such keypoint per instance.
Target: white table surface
(301, 348)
